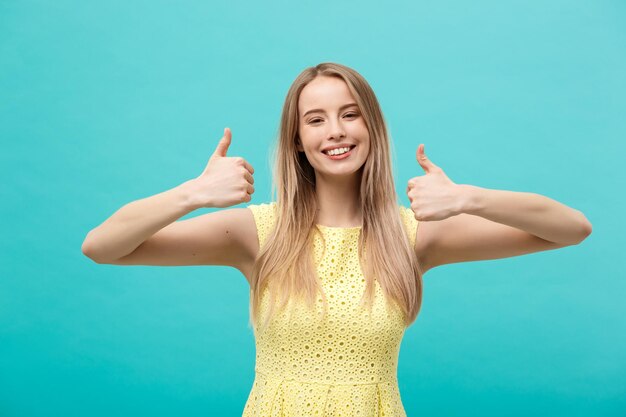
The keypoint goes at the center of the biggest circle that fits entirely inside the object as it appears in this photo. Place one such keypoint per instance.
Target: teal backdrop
(103, 103)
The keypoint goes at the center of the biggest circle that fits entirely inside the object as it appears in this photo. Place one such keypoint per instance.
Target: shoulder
(420, 235)
(410, 222)
(261, 220)
(264, 215)
(263, 209)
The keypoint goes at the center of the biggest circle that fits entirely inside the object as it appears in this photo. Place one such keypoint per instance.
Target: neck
(338, 201)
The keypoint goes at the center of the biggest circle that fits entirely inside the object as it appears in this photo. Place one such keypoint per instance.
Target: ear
(299, 144)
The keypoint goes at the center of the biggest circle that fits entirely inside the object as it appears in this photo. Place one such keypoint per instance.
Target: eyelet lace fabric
(344, 365)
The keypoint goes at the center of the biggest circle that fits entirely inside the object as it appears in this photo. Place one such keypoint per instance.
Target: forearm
(135, 222)
(533, 213)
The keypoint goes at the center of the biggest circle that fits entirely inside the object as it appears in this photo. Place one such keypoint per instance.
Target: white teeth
(338, 151)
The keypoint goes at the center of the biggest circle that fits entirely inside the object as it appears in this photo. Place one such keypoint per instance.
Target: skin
(337, 181)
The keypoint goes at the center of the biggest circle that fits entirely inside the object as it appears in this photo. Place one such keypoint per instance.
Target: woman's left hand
(433, 196)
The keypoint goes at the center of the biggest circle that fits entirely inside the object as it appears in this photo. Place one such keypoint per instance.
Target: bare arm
(135, 222)
(462, 223)
(146, 231)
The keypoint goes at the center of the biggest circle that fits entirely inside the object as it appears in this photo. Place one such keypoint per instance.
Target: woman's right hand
(226, 181)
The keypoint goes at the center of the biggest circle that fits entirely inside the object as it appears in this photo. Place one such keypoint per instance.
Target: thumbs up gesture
(226, 181)
(433, 196)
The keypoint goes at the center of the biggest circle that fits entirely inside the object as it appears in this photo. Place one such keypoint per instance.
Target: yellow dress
(344, 365)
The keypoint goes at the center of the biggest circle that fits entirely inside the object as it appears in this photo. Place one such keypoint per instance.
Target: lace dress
(344, 365)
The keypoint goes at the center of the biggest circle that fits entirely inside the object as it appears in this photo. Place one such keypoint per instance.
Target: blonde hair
(287, 262)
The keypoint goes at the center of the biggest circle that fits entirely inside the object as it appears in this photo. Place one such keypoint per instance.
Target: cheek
(311, 143)
(366, 146)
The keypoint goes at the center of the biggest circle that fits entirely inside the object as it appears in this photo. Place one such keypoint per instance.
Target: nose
(336, 130)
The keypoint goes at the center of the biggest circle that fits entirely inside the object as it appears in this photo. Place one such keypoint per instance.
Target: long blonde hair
(287, 262)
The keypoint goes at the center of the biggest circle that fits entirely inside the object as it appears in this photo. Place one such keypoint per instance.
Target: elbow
(87, 250)
(85, 247)
(585, 230)
(587, 227)
(91, 250)
(94, 258)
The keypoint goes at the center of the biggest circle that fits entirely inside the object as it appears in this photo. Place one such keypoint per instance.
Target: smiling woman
(337, 252)
(334, 264)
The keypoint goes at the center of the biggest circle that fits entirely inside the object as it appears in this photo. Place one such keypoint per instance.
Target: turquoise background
(103, 103)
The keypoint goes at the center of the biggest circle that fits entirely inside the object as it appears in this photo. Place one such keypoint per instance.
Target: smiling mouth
(350, 148)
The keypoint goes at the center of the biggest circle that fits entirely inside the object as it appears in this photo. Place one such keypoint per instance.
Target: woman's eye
(347, 115)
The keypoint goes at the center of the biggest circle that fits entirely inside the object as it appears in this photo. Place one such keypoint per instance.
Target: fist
(433, 196)
(226, 181)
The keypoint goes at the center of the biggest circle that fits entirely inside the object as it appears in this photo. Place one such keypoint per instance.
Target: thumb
(423, 160)
(222, 146)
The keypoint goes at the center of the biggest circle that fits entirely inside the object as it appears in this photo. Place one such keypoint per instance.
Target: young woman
(335, 264)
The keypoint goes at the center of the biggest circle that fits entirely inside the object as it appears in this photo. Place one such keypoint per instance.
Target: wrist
(187, 196)
(471, 199)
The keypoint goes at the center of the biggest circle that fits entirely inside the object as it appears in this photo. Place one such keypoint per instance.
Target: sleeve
(410, 223)
(264, 218)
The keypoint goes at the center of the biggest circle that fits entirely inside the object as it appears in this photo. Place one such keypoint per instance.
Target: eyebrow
(320, 110)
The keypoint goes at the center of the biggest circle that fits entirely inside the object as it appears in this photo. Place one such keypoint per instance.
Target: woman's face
(330, 118)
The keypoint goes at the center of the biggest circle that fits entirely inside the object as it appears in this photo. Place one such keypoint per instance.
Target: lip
(342, 156)
(342, 145)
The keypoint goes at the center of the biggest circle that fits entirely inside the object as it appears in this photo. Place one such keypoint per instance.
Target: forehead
(324, 92)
